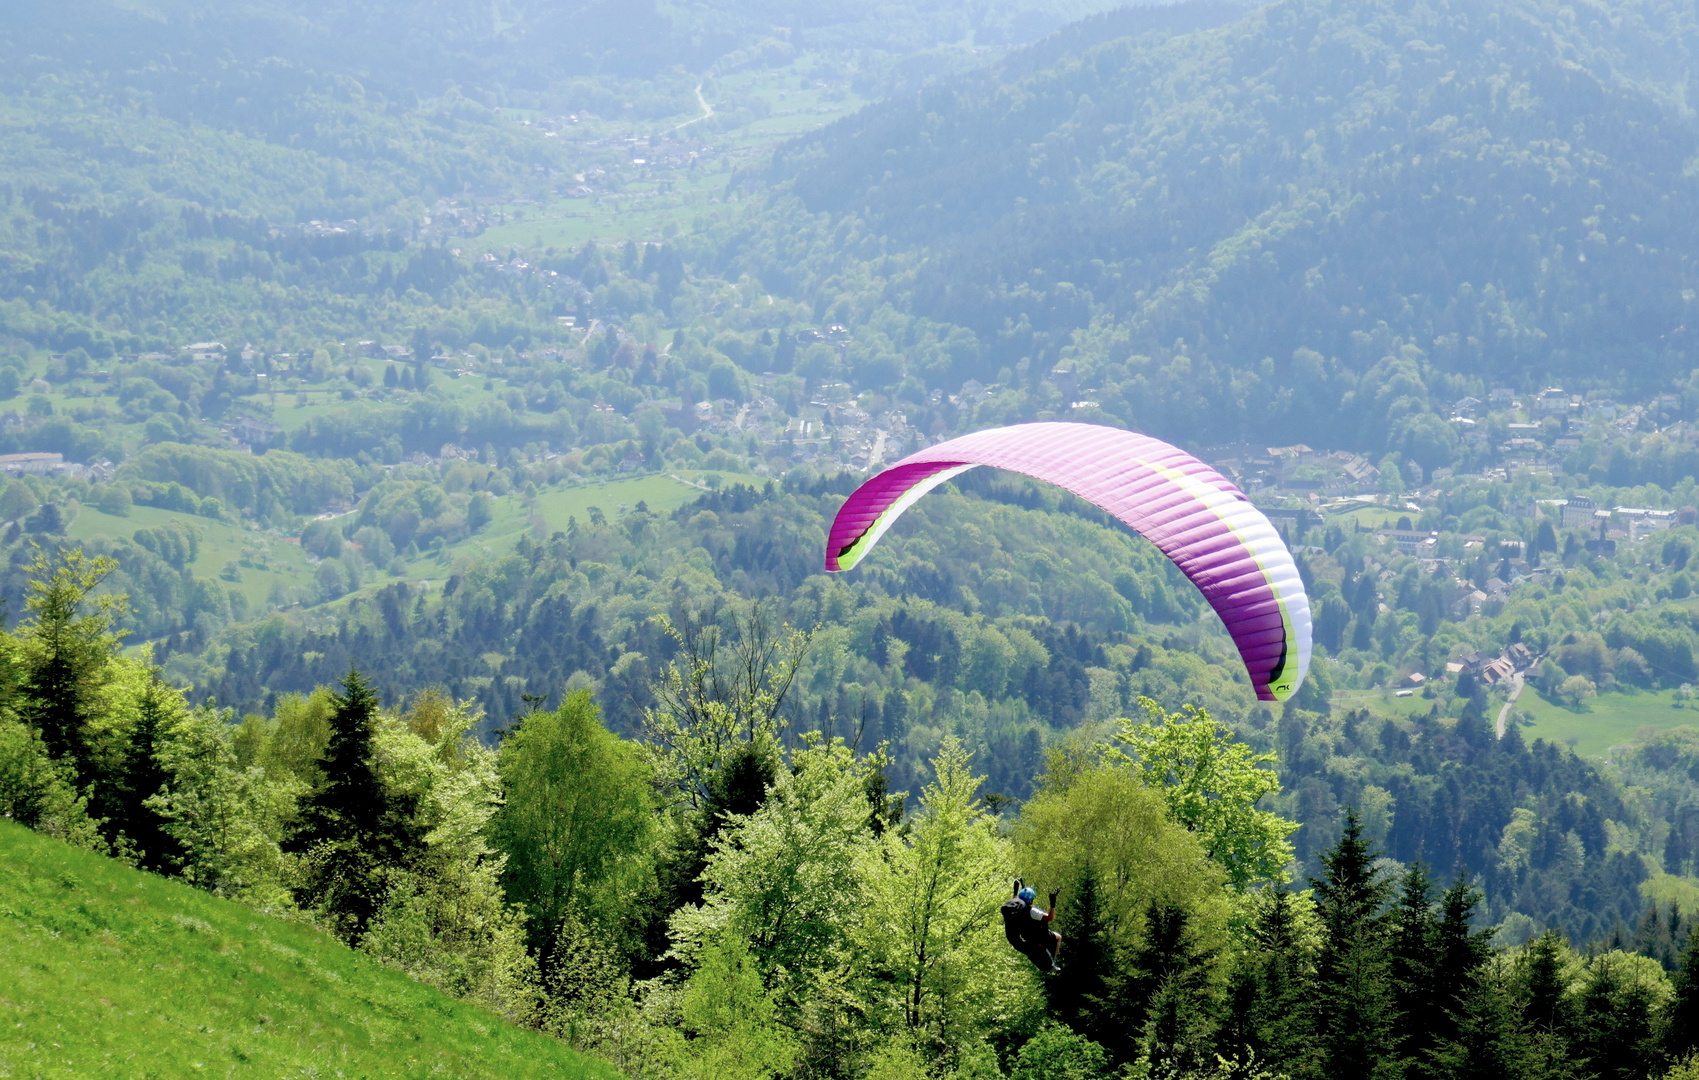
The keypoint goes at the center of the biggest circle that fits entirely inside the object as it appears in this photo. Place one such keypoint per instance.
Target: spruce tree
(1238, 1037)
(354, 833)
(1461, 951)
(141, 779)
(66, 660)
(1544, 1004)
(1080, 995)
(1415, 933)
(737, 788)
(1163, 1003)
(1681, 1018)
(1614, 1026)
(1354, 1006)
(1488, 1042)
(1282, 987)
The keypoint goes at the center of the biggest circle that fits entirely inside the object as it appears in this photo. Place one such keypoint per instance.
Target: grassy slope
(105, 971)
(1612, 719)
(266, 560)
(556, 506)
(788, 102)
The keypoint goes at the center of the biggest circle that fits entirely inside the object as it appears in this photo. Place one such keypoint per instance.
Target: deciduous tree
(1211, 782)
(578, 819)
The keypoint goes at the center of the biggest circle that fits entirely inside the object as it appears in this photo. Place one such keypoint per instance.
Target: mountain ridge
(1497, 192)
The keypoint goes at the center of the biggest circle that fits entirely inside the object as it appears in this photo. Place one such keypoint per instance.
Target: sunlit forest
(421, 428)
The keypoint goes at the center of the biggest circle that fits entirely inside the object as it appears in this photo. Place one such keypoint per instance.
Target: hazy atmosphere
(849, 539)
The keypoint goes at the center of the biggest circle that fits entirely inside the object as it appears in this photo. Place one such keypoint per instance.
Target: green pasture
(1385, 704)
(1367, 516)
(1611, 719)
(109, 972)
(754, 111)
(553, 508)
(642, 211)
(293, 408)
(263, 560)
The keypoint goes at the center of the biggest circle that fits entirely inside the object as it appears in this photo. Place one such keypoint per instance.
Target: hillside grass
(106, 971)
(754, 110)
(1384, 703)
(265, 561)
(1612, 719)
(553, 508)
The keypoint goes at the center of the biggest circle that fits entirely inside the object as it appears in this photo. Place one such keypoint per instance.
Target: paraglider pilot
(1027, 926)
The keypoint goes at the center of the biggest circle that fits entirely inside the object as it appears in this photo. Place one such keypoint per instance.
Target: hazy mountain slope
(429, 45)
(1509, 186)
(109, 971)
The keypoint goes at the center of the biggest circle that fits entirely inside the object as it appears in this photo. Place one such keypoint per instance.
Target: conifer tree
(353, 832)
(1544, 1004)
(1354, 1006)
(1079, 996)
(1460, 951)
(1283, 985)
(1489, 1041)
(1681, 1019)
(66, 658)
(1614, 1026)
(1415, 932)
(1163, 1000)
(1237, 1035)
(143, 776)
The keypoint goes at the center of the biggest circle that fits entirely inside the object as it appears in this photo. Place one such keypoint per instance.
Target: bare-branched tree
(724, 692)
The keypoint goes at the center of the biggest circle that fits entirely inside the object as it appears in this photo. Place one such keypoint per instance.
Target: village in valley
(1534, 454)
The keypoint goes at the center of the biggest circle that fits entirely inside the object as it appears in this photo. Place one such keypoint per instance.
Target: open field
(750, 112)
(106, 971)
(1383, 703)
(554, 508)
(264, 561)
(1612, 719)
(1367, 516)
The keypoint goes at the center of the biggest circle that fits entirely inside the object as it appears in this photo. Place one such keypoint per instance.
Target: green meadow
(552, 510)
(114, 973)
(252, 562)
(1611, 719)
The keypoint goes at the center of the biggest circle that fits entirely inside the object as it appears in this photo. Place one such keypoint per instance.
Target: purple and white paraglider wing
(1193, 514)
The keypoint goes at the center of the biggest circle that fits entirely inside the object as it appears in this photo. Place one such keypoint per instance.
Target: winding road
(1509, 702)
(707, 110)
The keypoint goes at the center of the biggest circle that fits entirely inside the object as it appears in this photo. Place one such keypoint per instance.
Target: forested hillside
(723, 895)
(516, 46)
(1225, 234)
(435, 412)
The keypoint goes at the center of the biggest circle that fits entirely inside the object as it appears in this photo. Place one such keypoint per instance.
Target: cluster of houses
(844, 433)
(831, 429)
(1538, 432)
(1296, 470)
(53, 465)
(1493, 669)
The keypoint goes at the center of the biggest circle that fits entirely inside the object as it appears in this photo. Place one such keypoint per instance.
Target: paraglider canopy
(1193, 514)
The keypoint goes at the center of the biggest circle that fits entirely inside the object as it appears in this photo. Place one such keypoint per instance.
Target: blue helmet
(1029, 894)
